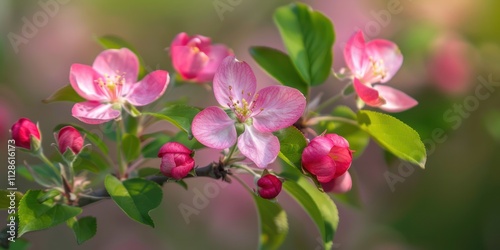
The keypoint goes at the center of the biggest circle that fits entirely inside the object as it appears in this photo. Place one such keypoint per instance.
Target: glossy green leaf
(115, 42)
(84, 228)
(131, 147)
(273, 223)
(136, 197)
(92, 137)
(308, 37)
(41, 173)
(145, 172)
(6, 198)
(19, 244)
(64, 94)
(394, 136)
(180, 116)
(280, 67)
(317, 204)
(358, 139)
(34, 215)
(292, 143)
(92, 161)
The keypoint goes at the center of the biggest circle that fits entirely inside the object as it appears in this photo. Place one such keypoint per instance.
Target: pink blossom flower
(373, 62)
(341, 184)
(69, 138)
(269, 186)
(110, 83)
(195, 58)
(327, 157)
(271, 109)
(22, 131)
(176, 160)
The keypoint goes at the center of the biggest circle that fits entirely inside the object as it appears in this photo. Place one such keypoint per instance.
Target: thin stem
(44, 158)
(135, 165)
(315, 120)
(122, 166)
(243, 183)
(246, 168)
(328, 102)
(231, 153)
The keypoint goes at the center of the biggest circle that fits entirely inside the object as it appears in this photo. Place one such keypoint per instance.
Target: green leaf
(42, 174)
(192, 143)
(180, 116)
(131, 147)
(34, 215)
(358, 139)
(92, 137)
(85, 228)
(280, 66)
(19, 244)
(308, 37)
(145, 172)
(136, 197)
(115, 42)
(394, 136)
(317, 204)
(151, 149)
(92, 161)
(273, 223)
(5, 198)
(292, 143)
(64, 94)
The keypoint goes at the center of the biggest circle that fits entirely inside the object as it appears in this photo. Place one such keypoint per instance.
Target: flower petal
(277, 107)
(118, 62)
(368, 94)
(315, 159)
(83, 80)
(150, 88)
(395, 100)
(388, 53)
(340, 184)
(94, 112)
(188, 61)
(213, 128)
(343, 159)
(234, 80)
(261, 148)
(176, 166)
(217, 53)
(355, 55)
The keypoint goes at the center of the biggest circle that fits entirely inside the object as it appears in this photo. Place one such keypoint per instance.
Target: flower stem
(122, 166)
(243, 183)
(316, 120)
(44, 158)
(246, 168)
(328, 102)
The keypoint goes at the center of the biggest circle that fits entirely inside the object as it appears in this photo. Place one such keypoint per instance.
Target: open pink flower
(271, 109)
(195, 58)
(110, 83)
(373, 62)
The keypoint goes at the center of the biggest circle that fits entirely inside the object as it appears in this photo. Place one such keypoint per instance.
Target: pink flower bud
(269, 186)
(69, 137)
(327, 157)
(176, 160)
(339, 185)
(21, 132)
(195, 58)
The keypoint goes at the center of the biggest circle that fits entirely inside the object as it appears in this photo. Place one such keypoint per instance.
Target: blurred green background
(449, 47)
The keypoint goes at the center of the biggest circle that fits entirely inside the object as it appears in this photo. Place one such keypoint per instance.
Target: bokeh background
(449, 46)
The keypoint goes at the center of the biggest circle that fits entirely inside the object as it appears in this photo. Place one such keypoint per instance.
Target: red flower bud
(269, 186)
(327, 157)
(176, 160)
(339, 185)
(21, 132)
(69, 137)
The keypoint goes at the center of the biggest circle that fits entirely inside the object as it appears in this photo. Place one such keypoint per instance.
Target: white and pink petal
(234, 81)
(214, 128)
(395, 100)
(149, 89)
(261, 148)
(92, 112)
(115, 63)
